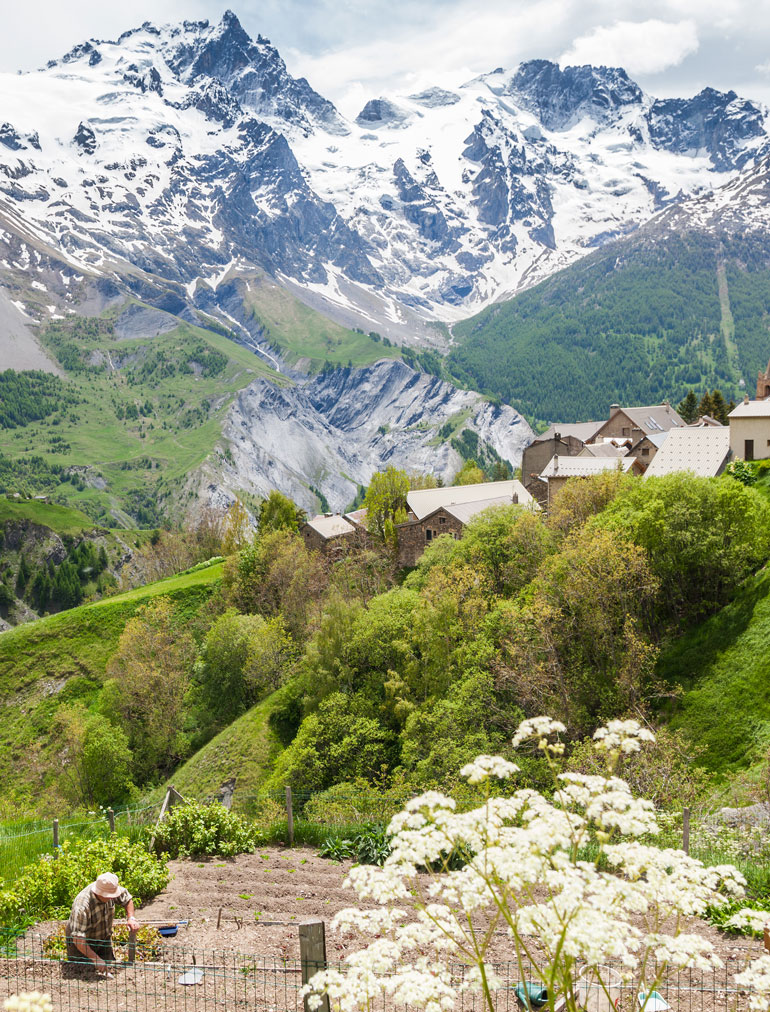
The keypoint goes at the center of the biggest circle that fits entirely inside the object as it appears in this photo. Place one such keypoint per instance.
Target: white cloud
(459, 41)
(641, 47)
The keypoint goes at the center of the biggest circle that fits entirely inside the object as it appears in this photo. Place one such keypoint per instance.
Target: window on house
(748, 453)
(442, 520)
(626, 431)
(645, 451)
(428, 535)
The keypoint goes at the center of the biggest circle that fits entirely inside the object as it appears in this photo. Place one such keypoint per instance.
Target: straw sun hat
(107, 886)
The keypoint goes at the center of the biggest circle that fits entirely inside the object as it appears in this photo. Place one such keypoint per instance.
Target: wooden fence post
(55, 837)
(111, 819)
(767, 938)
(686, 830)
(290, 817)
(312, 952)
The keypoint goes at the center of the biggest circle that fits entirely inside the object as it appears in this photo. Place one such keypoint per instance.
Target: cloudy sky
(351, 50)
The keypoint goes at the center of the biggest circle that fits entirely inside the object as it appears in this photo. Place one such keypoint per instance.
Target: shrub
(47, 887)
(194, 829)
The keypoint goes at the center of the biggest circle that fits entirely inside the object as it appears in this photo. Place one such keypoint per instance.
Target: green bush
(194, 829)
(46, 888)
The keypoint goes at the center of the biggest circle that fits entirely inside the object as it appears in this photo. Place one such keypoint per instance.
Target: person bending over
(89, 928)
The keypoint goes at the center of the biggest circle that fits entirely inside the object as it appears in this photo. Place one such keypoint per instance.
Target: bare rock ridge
(338, 428)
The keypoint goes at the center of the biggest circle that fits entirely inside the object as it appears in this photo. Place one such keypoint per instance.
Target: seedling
(245, 896)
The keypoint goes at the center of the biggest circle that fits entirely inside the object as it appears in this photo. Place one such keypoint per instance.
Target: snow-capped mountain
(178, 156)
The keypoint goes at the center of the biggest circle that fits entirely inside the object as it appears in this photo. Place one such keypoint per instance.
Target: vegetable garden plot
(237, 981)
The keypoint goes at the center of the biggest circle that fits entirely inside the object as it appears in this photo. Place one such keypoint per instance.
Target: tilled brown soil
(243, 919)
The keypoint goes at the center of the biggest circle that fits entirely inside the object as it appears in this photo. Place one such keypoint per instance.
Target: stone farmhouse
(637, 432)
(431, 512)
(436, 511)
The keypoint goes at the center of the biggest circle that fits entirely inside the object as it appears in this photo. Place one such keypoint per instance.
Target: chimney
(515, 498)
(746, 399)
(613, 409)
(555, 464)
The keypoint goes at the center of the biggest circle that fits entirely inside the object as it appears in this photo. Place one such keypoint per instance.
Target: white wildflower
(537, 727)
(622, 736)
(485, 766)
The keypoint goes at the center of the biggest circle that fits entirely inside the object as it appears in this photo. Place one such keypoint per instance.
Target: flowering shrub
(47, 887)
(194, 829)
(566, 917)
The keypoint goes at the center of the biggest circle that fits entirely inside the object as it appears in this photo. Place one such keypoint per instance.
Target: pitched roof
(466, 511)
(330, 526)
(424, 501)
(357, 516)
(704, 450)
(751, 409)
(582, 467)
(580, 430)
(608, 449)
(654, 417)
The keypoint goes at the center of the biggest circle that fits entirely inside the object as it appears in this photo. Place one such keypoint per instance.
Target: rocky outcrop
(334, 431)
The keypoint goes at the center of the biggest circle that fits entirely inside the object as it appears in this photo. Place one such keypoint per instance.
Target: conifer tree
(688, 408)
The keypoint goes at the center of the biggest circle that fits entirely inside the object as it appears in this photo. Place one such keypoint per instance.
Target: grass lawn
(723, 666)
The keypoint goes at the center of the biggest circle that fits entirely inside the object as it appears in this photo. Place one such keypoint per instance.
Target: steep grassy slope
(640, 321)
(142, 413)
(243, 751)
(61, 519)
(61, 659)
(304, 335)
(723, 666)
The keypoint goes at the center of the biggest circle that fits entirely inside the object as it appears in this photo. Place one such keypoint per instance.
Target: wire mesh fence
(189, 977)
(24, 841)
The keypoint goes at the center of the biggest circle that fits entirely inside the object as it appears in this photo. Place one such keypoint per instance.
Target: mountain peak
(561, 96)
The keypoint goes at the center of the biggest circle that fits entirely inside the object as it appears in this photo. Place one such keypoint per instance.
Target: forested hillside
(282, 667)
(640, 321)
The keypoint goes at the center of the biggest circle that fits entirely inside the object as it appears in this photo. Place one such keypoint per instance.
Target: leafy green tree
(469, 474)
(278, 512)
(688, 408)
(242, 658)
(339, 741)
(574, 644)
(149, 674)
(506, 544)
(276, 574)
(385, 499)
(702, 536)
(95, 757)
(582, 498)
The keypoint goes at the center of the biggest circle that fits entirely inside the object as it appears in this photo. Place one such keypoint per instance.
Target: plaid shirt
(91, 917)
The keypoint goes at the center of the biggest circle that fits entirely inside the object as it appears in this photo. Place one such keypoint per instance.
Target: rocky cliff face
(335, 430)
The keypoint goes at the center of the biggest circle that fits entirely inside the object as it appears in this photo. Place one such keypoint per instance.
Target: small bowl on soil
(168, 930)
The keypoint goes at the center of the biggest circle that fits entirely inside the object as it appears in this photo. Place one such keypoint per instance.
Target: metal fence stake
(111, 819)
(55, 837)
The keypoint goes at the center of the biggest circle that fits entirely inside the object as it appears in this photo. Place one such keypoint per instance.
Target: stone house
(634, 423)
(327, 533)
(561, 441)
(750, 429)
(560, 470)
(436, 511)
